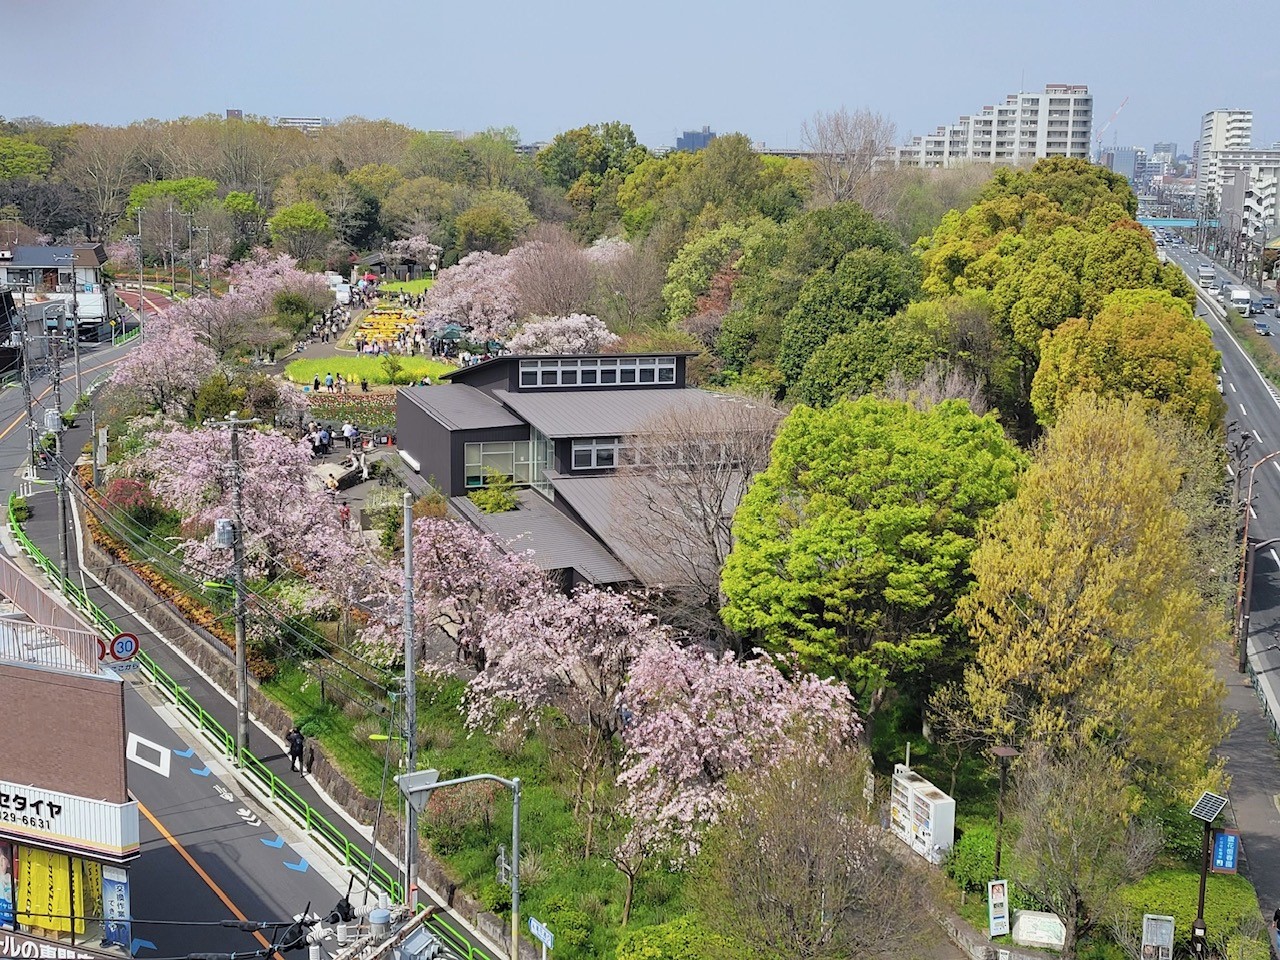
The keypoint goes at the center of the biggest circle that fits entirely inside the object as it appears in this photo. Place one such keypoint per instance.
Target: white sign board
(542, 934)
(66, 822)
(1031, 928)
(997, 908)
(1157, 937)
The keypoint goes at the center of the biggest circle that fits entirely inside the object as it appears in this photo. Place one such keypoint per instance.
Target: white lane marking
(1274, 556)
(1258, 435)
(1243, 411)
(1233, 388)
(1230, 472)
(1276, 465)
(160, 765)
(1252, 512)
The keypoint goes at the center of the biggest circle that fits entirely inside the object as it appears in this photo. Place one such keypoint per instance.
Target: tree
(847, 149)
(1080, 839)
(570, 653)
(300, 230)
(552, 275)
(102, 165)
(1143, 344)
(485, 227)
(793, 868)
(478, 293)
(853, 546)
(576, 333)
(694, 720)
(167, 367)
(1086, 620)
(187, 194)
(1074, 184)
(22, 158)
(681, 496)
(417, 248)
(851, 364)
(262, 277)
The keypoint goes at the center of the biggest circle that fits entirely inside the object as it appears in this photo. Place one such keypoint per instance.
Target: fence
(352, 855)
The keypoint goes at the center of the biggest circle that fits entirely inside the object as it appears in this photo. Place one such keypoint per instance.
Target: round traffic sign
(124, 646)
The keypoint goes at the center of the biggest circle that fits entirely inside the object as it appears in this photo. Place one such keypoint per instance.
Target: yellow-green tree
(1084, 611)
(1143, 344)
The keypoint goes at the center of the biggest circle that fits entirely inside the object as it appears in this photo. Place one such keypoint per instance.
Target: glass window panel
(568, 363)
(648, 361)
(628, 374)
(550, 377)
(548, 363)
(604, 456)
(666, 374)
(581, 458)
(472, 458)
(646, 376)
(568, 377)
(589, 377)
(608, 376)
(528, 378)
(607, 363)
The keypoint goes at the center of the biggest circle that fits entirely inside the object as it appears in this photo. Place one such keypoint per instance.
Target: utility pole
(191, 256)
(142, 304)
(75, 317)
(235, 422)
(60, 479)
(173, 269)
(410, 712)
(26, 395)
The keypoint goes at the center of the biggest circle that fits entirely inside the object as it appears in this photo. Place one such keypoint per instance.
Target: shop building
(68, 826)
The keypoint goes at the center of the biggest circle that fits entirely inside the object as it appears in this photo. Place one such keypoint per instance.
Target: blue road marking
(189, 752)
(300, 866)
(278, 842)
(137, 945)
(201, 773)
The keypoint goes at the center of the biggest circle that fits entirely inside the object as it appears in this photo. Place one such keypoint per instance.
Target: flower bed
(373, 411)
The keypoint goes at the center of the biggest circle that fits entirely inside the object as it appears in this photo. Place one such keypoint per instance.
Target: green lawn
(406, 286)
(356, 366)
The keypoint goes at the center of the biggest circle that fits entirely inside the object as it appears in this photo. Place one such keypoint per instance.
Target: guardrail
(351, 854)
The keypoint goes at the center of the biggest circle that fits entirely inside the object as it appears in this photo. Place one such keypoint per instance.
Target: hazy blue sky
(661, 65)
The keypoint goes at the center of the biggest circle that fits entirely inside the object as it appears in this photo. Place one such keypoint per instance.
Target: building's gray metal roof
(86, 255)
(508, 359)
(459, 407)
(554, 540)
(602, 413)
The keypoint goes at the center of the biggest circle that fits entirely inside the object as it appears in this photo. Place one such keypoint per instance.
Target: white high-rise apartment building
(1027, 126)
(1220, 130)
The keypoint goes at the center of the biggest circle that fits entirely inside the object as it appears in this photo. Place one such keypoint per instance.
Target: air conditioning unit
(6, 254)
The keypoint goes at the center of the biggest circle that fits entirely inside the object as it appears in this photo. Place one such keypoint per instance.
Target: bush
(572, 926)
(1230, 903)
(497, 495)
(971, 862)
(496, 896)
(21, 509)
(682, 939)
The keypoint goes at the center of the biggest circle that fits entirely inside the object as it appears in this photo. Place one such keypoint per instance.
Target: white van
(342, 293)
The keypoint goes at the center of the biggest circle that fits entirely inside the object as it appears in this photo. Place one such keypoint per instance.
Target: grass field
(406, 286)
(354, 367)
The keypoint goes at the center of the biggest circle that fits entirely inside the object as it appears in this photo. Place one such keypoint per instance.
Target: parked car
(1262, 328)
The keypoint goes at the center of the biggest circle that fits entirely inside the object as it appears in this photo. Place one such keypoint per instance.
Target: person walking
(328, 382)
(295, 739)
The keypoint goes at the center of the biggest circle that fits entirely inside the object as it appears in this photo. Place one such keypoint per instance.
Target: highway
(1250, 750)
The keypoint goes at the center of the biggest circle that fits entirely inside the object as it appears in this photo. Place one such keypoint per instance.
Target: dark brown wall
(63, 732)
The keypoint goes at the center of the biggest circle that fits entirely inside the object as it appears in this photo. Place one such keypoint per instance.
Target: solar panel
(1208, 807)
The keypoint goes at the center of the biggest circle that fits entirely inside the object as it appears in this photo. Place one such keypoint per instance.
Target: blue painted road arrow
(300, 866)
(278, 842)
(201, 773)
(189, 752)
(139, 944)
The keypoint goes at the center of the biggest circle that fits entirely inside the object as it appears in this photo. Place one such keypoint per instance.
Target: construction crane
(1097, 152)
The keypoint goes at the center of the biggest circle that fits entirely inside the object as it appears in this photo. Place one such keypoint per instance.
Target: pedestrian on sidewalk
(295, 740)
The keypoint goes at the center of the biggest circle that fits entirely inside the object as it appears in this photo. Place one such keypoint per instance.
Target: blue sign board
(1226, 851)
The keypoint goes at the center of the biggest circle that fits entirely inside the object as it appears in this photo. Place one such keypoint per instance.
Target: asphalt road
(1252, 760)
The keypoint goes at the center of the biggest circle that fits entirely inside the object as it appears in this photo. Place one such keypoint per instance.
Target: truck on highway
(1238, 298)
(1206, 275)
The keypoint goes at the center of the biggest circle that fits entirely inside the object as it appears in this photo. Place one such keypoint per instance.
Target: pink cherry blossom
(478, 294)
(165, 369)
(577, 333)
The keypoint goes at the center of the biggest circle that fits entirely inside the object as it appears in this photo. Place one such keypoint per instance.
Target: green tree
(1086, 617)
(301, 229)
(485, 227)
(188, 194)
(866, 286)
(681, 939)
(20, 158)
(852, 547)
(851, 364)
(1075, 185)
(1143, 344)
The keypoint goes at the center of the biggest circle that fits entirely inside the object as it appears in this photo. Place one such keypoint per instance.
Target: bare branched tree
(551, 276)
(1079, 839)
(793, 868)
(938, 382)
(845, 148)
(694, 467)
(629, 289)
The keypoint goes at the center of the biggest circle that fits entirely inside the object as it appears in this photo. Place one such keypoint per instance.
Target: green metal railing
(351, 854)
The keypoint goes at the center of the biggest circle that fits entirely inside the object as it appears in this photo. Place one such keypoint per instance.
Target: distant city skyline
(563, 63)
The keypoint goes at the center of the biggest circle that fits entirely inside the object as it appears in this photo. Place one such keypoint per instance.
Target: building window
(508, 458)
(542, 453)
(596, 371)
(601, 453)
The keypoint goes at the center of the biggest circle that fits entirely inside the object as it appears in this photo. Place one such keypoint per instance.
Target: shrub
(496, 896)
(571, 925)
(971, 862)
(1230, 903)
(682, 939)
(497, 495)
(21, 509)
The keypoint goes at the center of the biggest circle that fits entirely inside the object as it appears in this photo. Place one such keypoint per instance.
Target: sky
(664, 66)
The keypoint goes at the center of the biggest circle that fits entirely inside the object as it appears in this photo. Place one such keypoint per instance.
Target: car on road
(1268, 302)
(1195, 250)
(1262, 328)
(1220, 390)
(1256, 308)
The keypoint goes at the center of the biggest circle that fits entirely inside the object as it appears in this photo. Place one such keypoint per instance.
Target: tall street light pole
(75, 316)
(410, 712)
(1004, 754)
(417, 785)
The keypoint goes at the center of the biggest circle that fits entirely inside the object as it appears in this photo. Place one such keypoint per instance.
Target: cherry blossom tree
(418, 248)
(695, 719)
(165, 369)
(572, 654)
(123, 255)
(477, 293)
(265, 275)
(576, 333)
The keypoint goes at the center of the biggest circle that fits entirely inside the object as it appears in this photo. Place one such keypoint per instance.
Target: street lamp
(1005, 754)
(417, 785)
(1206, 810)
